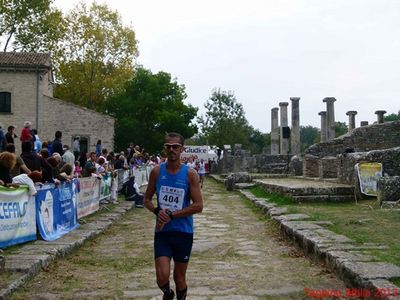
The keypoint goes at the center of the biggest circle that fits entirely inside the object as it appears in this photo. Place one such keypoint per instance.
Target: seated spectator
(19, 165)
(132, 193)
(7, 162)
(31, 159)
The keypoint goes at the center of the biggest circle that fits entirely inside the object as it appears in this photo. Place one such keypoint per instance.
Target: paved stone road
(237, 255)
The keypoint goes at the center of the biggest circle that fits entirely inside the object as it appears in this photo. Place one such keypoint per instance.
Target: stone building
(26, 94)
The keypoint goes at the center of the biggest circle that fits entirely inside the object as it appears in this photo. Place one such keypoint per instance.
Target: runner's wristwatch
(169, 213)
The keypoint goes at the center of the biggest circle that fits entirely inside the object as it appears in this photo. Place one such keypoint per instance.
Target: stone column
(352, 119)
(274, 131)
(323, 126)
(380, 116)
(295, 132)
(284, 123)
(363, 123)
(330, 118)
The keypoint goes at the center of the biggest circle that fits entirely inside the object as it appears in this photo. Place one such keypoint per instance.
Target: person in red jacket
(26, 135)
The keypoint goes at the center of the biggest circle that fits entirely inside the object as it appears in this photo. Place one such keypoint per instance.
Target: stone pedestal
(380, 116)
(352, 119)
(327, 167)
(310, 166)
(323, 126)
(274, 131)
(284, 149)
(295, 132)
(330, 118)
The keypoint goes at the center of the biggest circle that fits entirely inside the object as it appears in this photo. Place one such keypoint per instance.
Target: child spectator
(78, 170)
(114, 187)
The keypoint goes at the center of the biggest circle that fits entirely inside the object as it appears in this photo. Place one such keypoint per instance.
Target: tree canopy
(224, 122)
(97, 58)
(392, 117)
(148, 106)
(27, 25)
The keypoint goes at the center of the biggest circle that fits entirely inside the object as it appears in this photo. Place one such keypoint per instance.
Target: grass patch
(279, 200)
(395, 281)
(363, 222)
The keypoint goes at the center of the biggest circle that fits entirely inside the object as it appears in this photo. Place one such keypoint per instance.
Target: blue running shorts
(175, 244)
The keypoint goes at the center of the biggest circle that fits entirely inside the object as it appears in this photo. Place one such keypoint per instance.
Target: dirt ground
(237, 254)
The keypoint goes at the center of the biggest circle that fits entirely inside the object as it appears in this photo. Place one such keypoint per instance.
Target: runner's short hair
(175, 135)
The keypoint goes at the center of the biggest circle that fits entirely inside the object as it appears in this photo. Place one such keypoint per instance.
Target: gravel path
(237, 254)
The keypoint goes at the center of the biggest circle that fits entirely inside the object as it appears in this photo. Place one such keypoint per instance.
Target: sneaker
(139, 205)
(169, 297)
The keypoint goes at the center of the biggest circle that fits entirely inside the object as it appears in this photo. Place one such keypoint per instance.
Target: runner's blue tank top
(173, 193)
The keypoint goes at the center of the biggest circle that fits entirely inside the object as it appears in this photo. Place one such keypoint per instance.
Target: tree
(340, 128)
(224, 122)
(148, 107)
(392, 117)
(309, 135)
(30, 25)
(98, 56)
(258, 141)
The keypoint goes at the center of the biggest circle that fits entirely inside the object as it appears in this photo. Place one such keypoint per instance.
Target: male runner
(178, 198)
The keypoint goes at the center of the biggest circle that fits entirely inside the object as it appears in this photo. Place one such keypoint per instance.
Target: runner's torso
(173, 194)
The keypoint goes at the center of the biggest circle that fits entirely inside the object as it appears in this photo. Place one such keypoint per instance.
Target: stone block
(388, 189)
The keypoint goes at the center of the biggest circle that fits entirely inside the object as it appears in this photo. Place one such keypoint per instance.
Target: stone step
(306, 189)
(324, 198)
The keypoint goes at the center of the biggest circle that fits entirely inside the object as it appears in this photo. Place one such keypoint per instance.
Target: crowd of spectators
(55, 162)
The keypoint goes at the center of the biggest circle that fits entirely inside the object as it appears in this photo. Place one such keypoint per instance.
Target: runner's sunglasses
(173, 146)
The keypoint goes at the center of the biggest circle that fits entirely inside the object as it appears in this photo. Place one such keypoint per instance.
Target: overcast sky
(267, 51)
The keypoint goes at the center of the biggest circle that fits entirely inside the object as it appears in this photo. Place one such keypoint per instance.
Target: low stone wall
(389, 189)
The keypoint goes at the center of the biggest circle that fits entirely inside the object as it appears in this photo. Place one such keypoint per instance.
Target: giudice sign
(196, 152)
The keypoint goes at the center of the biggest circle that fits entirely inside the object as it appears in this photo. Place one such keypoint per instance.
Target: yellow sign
(368, 174)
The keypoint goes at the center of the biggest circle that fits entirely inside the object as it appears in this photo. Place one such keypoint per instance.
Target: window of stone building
(5, 102)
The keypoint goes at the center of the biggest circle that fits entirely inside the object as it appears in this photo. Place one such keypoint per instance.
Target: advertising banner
(105, 186)
(88, 196)
(368, 174)
(141, 175)
(56, 210)
(17, 216)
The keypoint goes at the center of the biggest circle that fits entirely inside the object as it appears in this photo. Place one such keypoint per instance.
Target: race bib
(171, 198)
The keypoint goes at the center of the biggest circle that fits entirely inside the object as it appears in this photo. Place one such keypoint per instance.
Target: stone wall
(390, 159)
(361, 139)
(54, 114)
(75, 120)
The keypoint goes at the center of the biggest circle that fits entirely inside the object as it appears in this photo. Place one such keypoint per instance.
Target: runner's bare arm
(151, 189)
(195, 194)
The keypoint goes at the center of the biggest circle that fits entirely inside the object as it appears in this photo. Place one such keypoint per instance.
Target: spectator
(26, 135)
(83, 159)
(77, 170)
(29, 180)
(30, 158)
(131, 191)
(3, 141)
(114, 187)
(10, 135)
(100, 166)
(57, 144)
(76, 147)
(7, 162)
(90, 165)
(38, 143)
(68, 157)
(19, 165)
(98, 148)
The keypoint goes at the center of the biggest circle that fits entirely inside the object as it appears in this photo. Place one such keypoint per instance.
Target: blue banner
(17, 216)
(56, 210)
